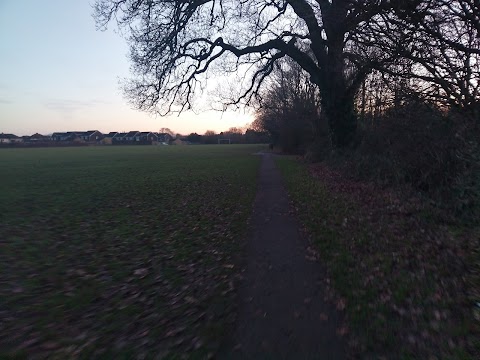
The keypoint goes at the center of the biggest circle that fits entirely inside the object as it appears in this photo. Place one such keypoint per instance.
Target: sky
(58, 73)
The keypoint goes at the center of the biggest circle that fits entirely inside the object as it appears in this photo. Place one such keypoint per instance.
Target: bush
(417, 144)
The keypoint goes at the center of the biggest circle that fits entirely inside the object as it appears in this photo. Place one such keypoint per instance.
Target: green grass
(323, 216)
(120, 250)
(361, 264)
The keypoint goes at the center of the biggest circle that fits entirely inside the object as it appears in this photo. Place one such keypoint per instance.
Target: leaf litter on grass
(145, 265)
(402, 279)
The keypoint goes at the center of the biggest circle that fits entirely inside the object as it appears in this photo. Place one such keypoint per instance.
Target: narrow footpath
(282, 312)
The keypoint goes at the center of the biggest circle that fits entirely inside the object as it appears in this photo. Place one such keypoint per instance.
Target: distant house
(164, 138)
(130, 136)
(64, 136)
(118, 138)
(9, 138)
(89, 136)
(36, 138)
(112, 138)
(108, 138)
(75, 136)
(146, 137)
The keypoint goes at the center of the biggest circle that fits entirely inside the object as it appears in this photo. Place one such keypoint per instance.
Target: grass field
(120, 251)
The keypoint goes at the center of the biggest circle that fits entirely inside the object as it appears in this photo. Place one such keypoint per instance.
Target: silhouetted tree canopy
(289, 108)
(177, 45)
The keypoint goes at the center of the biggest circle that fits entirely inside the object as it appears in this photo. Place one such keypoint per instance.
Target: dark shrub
(418, 144)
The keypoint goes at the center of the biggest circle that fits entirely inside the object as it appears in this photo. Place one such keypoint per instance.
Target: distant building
(90, 136)
(130, 136)
(37, 138)
(108, 138)
(146, 137)
(118, 138)
(164, 138)
(9, 139)
(71, 138)
(64, 136)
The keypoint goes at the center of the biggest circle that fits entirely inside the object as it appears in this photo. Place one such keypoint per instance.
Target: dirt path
(282, 312)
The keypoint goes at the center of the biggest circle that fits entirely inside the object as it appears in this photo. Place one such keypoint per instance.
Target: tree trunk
(342, 120)
(364, 98)
(338, 105)
(337, 100)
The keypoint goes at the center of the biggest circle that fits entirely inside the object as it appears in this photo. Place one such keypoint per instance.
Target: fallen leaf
(191, 299)
(50, 345)
(343, 330)
(141, 272)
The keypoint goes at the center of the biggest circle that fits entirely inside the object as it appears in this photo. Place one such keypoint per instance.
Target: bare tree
(177, 45)
(437, 46)
(289, 108)
(167, 131)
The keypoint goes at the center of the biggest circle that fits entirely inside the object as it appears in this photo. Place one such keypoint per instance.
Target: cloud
(69, 106)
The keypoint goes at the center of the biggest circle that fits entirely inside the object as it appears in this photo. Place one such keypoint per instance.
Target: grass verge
(403, 279)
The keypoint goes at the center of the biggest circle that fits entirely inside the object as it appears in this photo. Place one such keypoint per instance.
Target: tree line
(394, 82)
(176, 46)
(232, 136)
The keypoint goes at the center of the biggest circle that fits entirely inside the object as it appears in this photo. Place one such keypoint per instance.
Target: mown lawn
(405, 282)
(121, 251)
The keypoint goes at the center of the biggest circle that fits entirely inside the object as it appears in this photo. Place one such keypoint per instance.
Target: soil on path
(282, 312)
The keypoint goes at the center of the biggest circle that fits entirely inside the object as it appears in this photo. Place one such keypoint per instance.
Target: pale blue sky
(57, 73)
